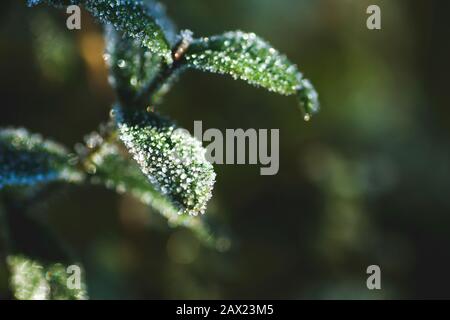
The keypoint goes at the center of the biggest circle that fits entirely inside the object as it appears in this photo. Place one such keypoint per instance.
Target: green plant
(138, 151)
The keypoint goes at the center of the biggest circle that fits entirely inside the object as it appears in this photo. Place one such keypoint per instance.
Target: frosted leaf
(131, 66)
(247, 57)
(113, 169)
(33, 280)
(158, 12)
(135, 18)
(173, 160)
(27, 159)
(118, 172)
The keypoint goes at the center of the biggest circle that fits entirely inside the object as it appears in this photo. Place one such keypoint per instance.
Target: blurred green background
(365, 182)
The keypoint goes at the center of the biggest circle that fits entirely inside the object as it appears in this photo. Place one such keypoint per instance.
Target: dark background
(365, 182)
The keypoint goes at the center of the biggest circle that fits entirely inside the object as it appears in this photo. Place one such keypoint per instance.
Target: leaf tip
(308, 99)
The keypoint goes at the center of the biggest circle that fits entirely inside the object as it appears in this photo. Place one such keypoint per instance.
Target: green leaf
(158, 12)
(32, 280)
(115, 170)
(135, 18)
(131, 66)
(171, 158)
(247, 57)
(27, 159)
(37, 261)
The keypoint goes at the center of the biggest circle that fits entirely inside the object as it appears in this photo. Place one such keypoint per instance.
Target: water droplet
(91, 169)
(106, 57)
(121, 63)
(307, 117)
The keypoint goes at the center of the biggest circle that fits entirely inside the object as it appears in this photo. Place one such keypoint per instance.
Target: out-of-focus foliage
(31, 280)
(39, 265)
(56, 63)
(27, 159)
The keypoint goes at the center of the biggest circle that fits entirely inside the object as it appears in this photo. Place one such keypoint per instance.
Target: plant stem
(147, 94)
(145, 97)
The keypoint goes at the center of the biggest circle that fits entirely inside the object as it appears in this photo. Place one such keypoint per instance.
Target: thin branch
(147, 93)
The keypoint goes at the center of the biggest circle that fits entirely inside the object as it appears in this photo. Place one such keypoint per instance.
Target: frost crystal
(172, 159)
(247, 57)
